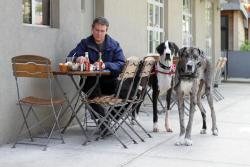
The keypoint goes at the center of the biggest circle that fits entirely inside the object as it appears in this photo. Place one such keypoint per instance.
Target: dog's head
(167, 51)
(190, 60)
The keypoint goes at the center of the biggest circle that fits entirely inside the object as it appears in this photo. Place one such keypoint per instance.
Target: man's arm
(118, 61)
(78, 52)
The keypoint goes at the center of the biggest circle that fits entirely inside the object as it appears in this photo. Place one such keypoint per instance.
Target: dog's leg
(202, 110)
(180, 96)
(193, 101)
(167, 121)
(155, 95)
(210, 102)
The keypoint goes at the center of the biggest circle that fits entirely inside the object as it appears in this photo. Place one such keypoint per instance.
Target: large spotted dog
(161, 81)
(193, 74)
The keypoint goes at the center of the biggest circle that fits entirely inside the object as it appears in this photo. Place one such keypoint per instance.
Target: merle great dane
(162, 80)
(193, 74)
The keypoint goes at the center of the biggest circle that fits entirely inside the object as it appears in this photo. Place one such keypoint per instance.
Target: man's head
(99, 29)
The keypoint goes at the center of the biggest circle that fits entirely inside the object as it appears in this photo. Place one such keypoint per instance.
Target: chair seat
(105, 100)
(39, 101)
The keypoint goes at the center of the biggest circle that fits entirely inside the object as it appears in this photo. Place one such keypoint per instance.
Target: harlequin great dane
(193, 73)
(161, 81)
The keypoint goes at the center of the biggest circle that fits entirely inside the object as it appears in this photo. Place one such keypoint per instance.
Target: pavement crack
(143, 153)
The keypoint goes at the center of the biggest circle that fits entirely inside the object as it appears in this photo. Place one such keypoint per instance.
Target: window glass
(155, 24)
(187, 23)
(36, 12)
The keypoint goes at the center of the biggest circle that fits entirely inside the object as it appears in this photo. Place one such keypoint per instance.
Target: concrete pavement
(230, 149)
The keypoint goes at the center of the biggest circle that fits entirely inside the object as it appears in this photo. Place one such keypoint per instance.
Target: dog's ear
(181, 51)
(201, 53)
(160, 49)
(174, 48)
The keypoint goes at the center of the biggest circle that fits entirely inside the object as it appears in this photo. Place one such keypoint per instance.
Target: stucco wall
(216, 37)
(128, 25)
(17, 39)
(173, 21)
(241, 30)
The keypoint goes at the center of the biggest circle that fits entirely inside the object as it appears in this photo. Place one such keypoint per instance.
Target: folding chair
(141, 89)
(112, 103)
(137, 96)
(38, 68)
(217, 78)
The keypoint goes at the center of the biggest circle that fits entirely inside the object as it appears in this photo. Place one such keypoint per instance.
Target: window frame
(33, 15)
(187, 23)
(155, 28)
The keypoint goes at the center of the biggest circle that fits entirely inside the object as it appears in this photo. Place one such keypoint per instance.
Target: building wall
(231, 32)
(241, 30)
(216, 41)
(128, 25)
(173, 21)
(249, 29)
(53, 43)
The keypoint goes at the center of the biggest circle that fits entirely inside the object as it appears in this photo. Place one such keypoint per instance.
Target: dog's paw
(215, 132)
(169, 129)
(155, 128)
(180, 141)
(203, 131)
(188, 142)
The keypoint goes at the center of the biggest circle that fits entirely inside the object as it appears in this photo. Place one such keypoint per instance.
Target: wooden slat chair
(113, 101)
(217, 77)
(140, 88)
(39, 68)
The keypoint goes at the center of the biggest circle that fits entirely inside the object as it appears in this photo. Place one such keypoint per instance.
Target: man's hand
(81, 59)
(97, 64)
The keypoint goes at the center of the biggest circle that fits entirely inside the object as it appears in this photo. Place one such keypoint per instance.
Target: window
(36, 12)
(155, 24)
(187, 23)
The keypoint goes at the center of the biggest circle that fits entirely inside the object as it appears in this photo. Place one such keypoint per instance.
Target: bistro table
(78, 90)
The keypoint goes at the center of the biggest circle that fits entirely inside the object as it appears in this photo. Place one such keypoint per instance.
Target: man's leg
(90, 81)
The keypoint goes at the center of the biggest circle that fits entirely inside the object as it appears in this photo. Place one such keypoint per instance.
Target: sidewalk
(230, 149)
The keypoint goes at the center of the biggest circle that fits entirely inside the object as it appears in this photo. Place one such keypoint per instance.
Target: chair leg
(119, 125)
(106, 126)
(21, 129)
(56, 116)
(36, 117)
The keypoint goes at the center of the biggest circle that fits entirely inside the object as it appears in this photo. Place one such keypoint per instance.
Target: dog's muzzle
(190, 67)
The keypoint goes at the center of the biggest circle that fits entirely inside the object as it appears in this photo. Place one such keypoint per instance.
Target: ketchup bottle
(87, 63)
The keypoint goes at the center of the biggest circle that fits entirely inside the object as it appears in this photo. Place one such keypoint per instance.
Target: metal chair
(217, 78)
(139, 94)
(115, 103)
(38, 68)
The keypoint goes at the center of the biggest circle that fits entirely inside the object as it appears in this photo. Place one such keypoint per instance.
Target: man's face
(99, 31)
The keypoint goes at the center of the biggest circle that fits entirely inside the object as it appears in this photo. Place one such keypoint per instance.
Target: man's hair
(100, 20)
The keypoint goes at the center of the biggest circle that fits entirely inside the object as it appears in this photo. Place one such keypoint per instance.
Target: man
(112, 56)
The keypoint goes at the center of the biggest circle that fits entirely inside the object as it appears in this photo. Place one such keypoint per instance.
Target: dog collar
(169, 72)
(166, 73)
(163, 66)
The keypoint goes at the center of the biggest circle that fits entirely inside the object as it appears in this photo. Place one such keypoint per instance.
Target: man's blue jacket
(112, 54)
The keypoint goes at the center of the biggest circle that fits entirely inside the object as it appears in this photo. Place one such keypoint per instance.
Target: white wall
(128, 25)
(53, 43)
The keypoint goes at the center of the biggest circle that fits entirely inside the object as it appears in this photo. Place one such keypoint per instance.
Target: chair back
(144, 75)
(31, 66)
(126, 78)
(220, 64)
